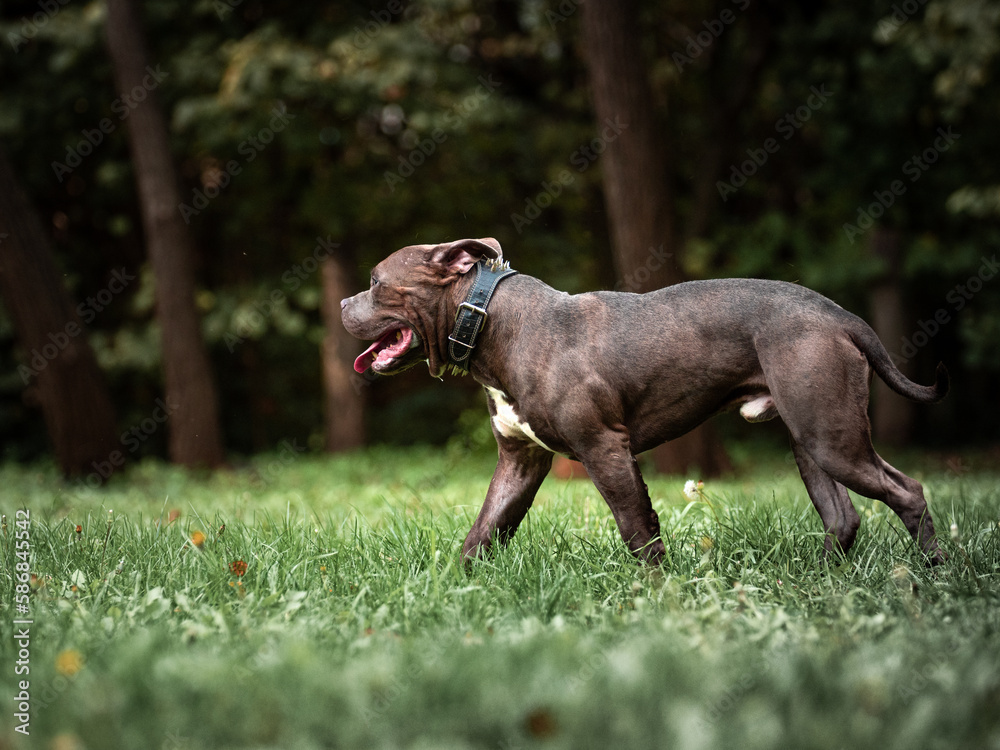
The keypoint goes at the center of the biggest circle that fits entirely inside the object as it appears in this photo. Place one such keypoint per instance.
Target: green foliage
(353, 623)
(446, 118)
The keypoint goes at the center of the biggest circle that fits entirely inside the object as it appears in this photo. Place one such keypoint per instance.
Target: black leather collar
(472, 314)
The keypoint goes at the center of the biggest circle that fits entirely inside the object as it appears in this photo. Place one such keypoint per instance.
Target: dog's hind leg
(904, 495)
(830, 498)
(820, 387)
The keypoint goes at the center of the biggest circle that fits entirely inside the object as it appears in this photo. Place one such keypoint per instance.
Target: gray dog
(603, 376)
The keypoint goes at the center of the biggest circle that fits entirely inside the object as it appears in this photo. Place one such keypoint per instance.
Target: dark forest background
(187, 190)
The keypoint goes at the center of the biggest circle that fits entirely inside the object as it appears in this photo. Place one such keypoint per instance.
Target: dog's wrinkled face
(409, 309)
(384, 314)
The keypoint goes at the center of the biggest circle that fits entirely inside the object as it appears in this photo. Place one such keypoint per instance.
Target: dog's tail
(866, 340)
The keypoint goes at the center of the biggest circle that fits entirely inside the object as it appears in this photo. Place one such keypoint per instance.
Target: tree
(636, 189)
(62, 369)
(450, 119)
(343, 389)
(195, 436)
(892, 416)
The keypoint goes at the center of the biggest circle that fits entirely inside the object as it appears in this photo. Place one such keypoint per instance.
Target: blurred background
(187, 190)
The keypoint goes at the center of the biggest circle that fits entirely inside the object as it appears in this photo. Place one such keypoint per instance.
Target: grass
(354, 625)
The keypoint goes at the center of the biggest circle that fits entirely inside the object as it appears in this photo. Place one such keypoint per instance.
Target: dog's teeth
(399, 335)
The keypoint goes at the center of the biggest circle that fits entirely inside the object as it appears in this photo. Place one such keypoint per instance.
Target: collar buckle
(474, 309)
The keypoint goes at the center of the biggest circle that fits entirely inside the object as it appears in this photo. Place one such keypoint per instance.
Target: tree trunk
(68, 384)
(343, 389)
(728, 97)
(636, 189)
(892, 414)
(195, 437)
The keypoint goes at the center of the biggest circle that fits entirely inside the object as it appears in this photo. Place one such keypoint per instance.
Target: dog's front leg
(615, 472)
(521, 467)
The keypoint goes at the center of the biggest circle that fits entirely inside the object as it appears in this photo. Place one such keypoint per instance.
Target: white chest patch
(506, 421)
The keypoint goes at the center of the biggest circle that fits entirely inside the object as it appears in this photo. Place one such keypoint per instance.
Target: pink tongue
(364, 361)
(387, 343)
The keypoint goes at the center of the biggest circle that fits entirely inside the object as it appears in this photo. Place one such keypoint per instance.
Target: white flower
(691, 490)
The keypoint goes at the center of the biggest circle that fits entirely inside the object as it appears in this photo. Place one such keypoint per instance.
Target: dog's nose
(343, 302)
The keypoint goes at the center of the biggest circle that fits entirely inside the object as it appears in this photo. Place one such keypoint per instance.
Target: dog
(603, 376)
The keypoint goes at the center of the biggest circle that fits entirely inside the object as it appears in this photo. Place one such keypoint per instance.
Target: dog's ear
(461, 255)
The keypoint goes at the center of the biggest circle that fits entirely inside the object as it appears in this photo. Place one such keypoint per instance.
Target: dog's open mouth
(381, 355)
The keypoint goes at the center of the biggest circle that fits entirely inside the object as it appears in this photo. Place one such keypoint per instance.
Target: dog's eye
(374, 282)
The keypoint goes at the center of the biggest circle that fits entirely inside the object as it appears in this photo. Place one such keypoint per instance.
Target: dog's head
(409, 309)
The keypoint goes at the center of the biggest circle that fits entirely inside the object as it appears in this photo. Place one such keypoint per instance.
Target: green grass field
(327, 608)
